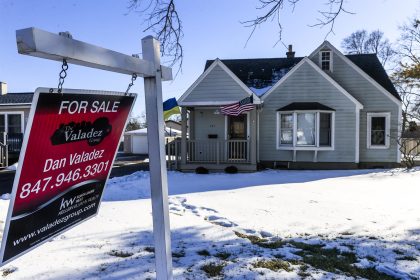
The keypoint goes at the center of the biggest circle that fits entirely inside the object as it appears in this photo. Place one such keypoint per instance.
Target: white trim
(322, 73)
(206, 103)
(15, 104)
(6, 120)
(357, 140)
(399, 133)
(296, 147)
(387, 116)
(258, 135)
(226, 127)
(248, 125)
(330, 61)
(216, 62)
(357, 69)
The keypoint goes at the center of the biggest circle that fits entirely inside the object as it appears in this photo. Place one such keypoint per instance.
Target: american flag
(238, 108)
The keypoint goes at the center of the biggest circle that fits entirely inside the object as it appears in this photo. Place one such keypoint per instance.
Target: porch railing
(211, 151)
(14, 142)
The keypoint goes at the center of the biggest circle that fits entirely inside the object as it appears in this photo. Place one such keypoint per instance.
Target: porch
(214, 155)
(10, 145)
(214, 141)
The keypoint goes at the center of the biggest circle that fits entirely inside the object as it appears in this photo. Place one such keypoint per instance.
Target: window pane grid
(325, 60)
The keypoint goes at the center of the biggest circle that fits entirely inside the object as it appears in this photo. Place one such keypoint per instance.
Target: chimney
(290, 53)
(3, 88)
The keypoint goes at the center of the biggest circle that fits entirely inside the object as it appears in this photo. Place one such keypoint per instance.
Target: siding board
(217, 86)
(307, 85)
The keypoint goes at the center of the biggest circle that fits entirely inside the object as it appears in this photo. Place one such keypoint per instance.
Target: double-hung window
(305, 130)
(11, 122)
(325, 60)
(378, 130)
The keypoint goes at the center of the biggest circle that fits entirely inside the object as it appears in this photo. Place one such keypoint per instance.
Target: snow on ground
(263, 225)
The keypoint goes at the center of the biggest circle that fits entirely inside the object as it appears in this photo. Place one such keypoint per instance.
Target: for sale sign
(68, 150)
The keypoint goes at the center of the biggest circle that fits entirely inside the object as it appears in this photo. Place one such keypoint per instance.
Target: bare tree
(361, 42)
(409, 51)
(136, 122)
(272, 12)
(162, 18)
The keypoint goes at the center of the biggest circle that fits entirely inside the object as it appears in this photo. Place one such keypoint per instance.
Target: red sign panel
(67, 155)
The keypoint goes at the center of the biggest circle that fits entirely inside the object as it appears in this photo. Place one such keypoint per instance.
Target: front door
(237, 137)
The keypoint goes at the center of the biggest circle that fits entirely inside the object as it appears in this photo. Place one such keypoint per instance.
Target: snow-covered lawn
(264, 225)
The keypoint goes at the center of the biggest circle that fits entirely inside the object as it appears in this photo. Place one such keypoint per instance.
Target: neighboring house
(135, 141)
(14, 114)
(411, 140)
(173, 125)
(326, 110)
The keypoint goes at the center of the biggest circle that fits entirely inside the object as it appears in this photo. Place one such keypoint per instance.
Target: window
(305, 130)
(286, 132)
(325, 60)
(378, 130)
(2, 123)
(11, 122)
(325, 129)
(14, 123)
(305, 135)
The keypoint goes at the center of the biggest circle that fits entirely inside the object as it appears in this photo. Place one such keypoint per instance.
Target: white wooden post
(183, 135)
(43, 44)
(158, 174)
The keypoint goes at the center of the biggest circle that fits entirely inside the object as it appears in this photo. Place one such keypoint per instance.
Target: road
(122, 166)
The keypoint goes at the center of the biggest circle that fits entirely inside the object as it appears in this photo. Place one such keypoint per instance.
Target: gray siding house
(326, 110)
(14, 114)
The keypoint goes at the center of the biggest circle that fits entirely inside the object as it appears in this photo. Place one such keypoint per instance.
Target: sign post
(157, 157)
(43, 44)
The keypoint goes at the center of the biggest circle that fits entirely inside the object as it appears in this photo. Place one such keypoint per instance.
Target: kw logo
(67, 203)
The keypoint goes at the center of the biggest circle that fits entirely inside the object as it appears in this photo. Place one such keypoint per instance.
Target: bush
(231, 169)
(201, 170)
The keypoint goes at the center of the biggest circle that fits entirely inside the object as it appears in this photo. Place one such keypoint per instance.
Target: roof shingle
(263, 72)
(16, 98)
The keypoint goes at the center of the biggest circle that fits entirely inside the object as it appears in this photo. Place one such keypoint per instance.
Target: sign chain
(133, 78)
(62, 76)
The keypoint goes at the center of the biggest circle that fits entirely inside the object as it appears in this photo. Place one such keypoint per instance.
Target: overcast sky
(212, 29)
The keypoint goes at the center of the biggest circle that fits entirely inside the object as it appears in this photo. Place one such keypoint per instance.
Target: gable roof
(16, 98)
(217, 62)
(371, 65)
(379, 72)
(306, 60)
(258, 72)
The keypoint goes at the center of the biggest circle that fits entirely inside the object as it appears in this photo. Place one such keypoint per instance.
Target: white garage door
(140, 144)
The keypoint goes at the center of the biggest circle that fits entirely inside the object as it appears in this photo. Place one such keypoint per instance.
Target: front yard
(265, 225)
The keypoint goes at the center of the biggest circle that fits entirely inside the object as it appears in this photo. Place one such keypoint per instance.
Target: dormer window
(325, 60)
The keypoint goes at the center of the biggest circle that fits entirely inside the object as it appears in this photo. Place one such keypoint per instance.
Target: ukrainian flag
(170, 107)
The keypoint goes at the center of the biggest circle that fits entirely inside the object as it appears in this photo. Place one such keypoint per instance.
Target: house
(410, 140)
(14, 114)
(135, 141)
(325, 110)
